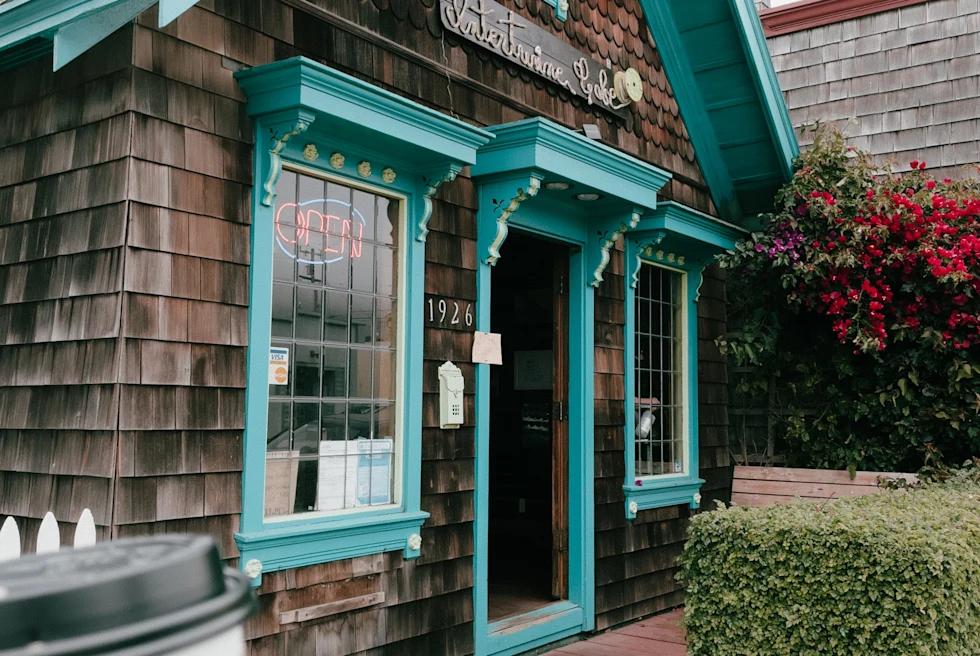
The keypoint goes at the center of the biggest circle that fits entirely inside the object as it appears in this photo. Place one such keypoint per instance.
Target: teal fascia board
(761, 66)
(567, 156)
(730, 177)
(703, 233)
(75, 25)
(515, 170)
(358, 110)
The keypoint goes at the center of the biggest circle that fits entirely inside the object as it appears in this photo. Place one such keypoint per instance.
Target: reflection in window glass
(331, 440)
(659, 402)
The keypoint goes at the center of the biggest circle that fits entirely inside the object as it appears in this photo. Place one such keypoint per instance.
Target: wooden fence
(48, 537)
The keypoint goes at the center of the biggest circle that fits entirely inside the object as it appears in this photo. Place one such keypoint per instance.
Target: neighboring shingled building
(908, 71)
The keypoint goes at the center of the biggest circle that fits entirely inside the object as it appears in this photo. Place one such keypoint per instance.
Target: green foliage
(860, 298)
(892, 573)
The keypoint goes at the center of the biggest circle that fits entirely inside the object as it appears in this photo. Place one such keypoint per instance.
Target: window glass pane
(658, 373)
(361, 319)
(336, 313)
(334, 372)
(385, 322)
(282, 310)
(362, 268)
(332, 439)
(309, 306)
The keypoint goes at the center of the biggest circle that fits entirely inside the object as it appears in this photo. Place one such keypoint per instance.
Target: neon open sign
(341, 237)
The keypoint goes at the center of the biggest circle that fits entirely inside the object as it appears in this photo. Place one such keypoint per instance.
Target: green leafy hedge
(892, 573)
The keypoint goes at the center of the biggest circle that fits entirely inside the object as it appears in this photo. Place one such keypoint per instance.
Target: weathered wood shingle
(909, 76)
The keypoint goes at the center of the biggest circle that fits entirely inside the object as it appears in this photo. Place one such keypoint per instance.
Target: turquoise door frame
(577, 614)
(552, 183)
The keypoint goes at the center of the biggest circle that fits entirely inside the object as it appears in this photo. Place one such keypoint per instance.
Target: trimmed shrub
(891, 573)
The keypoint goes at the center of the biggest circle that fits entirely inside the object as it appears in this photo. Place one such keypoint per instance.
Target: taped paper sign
(278, 366)
(486, 348)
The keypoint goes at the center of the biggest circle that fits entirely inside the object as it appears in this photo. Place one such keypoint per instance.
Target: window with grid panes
(333, 440)
(659, 440)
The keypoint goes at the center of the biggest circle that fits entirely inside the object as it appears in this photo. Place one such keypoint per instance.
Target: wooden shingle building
(406, 302)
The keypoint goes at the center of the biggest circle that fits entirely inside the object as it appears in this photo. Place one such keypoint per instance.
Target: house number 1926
(449, 313)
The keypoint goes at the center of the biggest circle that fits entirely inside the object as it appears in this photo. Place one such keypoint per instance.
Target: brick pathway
(661, 635)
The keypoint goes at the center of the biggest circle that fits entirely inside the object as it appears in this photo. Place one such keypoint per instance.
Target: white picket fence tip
(48, 536)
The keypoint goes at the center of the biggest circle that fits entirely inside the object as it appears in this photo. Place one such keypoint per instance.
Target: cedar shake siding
(64, 183)
(124, 273)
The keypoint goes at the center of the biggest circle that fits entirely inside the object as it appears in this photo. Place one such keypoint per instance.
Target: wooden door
(559, 431)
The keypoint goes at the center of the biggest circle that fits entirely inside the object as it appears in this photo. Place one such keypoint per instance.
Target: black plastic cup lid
(136, 597)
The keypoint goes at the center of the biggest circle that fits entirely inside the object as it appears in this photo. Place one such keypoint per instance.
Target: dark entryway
(528, 528)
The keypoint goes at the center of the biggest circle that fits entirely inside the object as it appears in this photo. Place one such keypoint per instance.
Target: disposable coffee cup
(161, 596)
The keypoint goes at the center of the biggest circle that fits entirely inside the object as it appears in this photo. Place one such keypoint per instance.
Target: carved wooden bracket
(646, 248)
(281, 130)
(608, 239)
(431, 183)
(504, 201)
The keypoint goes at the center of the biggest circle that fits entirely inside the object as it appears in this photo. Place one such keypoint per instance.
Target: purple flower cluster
(787, 242)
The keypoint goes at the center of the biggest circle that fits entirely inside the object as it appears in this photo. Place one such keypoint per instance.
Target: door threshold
(536, 617)
(518, 634)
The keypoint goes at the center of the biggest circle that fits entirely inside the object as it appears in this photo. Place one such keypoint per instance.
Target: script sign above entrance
(498, 29)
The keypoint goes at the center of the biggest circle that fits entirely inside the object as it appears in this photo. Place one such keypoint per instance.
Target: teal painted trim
(281, 544)
(74, 25)
(540, 627)
(311, 543)
(555, 223)
(656, 493)
(677, 65)
(678, 238)
(672, 217)
(170, 10)
(286, 543)
(74, 38)
(565, 155)
(561, 8)
(348, 106)
(764, 73)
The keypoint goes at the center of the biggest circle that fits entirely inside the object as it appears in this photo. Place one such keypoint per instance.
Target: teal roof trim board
(729, 98)
(74, 26)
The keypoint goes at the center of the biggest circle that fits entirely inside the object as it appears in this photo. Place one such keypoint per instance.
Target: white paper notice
(278, 366)
(337, 484)
(486, 348)
(356, 473)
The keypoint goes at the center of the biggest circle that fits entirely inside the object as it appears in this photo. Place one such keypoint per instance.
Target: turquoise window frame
(317, 121)
(527, 178)
(685, 241)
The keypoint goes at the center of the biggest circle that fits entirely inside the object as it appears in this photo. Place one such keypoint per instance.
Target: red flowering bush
(862, 294)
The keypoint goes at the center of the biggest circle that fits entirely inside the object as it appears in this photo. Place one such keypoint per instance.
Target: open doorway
(528, 482)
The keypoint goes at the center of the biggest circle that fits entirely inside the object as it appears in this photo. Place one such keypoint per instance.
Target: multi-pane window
(333, 436)
(659, 385)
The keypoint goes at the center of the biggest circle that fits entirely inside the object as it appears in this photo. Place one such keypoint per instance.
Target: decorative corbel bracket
(609, 231)
(281, 128)
(646, 249)
(502, 198)
(698, 268)
(430, 185)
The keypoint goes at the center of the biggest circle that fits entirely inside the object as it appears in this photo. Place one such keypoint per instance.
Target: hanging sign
(498, 29)
(278, 366)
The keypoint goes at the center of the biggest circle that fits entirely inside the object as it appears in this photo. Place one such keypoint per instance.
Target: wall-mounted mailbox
(450, 396)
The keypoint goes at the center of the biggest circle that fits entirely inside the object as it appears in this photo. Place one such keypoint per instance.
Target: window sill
(656, 493)
(303, 543)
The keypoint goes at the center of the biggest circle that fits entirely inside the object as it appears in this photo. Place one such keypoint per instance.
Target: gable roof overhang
(30, 28)
(718, 64)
